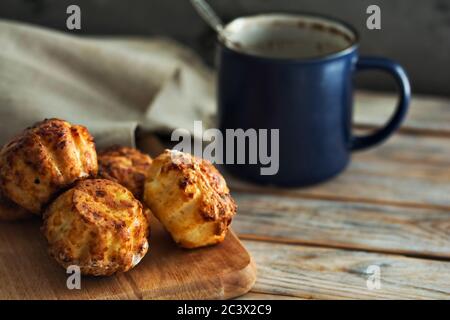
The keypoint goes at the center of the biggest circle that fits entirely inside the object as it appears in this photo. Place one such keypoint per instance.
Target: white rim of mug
(329, 56)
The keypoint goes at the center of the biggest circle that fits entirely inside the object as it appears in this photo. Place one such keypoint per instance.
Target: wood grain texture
(166, 272)
(408, 170)
(265, 296)
(411, 231)
(427, 115)
(318, 273)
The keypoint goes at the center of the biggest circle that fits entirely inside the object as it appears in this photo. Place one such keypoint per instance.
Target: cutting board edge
(232, 284)
(246, 277)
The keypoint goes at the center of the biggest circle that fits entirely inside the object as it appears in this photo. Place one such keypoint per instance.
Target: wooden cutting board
(166, 272)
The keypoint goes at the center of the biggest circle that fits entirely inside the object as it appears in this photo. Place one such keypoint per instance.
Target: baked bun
(97, 225)
(45, 159)
(9, 211)
(190, 198)
(126, 166)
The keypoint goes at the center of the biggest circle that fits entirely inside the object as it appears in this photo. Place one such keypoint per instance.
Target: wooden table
(391, 208)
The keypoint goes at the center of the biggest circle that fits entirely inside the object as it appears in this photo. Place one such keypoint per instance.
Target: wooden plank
(427, 114)
(166, 272)
(411, 231)
(408, 170)
(317, 273)
(263, 296)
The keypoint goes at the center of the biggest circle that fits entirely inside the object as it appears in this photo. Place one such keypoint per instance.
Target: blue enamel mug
(291, 76)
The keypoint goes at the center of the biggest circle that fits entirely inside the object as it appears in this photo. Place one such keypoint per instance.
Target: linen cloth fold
(110, 85)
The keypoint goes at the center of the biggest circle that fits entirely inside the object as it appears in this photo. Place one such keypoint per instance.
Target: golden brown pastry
(126, 166)
(45, 159)
(10, 211)
(99, 226)
(190, 198)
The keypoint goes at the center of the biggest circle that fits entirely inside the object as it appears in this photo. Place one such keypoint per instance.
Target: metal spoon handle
(208, 14)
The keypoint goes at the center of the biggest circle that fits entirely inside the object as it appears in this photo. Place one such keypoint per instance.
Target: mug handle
(399, 74)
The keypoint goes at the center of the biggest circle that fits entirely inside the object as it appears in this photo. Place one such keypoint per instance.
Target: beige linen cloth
(109, 85)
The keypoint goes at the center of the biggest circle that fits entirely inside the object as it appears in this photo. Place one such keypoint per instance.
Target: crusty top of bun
(127, 166)
(190, 198)
(97, 225)
(44, 159)
(198, 175)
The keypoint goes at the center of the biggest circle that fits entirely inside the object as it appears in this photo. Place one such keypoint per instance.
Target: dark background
(414, 32)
